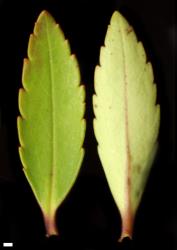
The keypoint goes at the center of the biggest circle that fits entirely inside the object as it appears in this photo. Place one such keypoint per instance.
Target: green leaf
(127, 117)
(51, 127)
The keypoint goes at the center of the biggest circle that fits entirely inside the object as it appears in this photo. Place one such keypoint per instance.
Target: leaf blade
(51, 127)
(127, 119)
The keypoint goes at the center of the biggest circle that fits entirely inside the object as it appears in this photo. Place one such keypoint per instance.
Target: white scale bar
(7, 244)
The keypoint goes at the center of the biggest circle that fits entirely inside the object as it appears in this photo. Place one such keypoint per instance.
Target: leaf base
(50, 225)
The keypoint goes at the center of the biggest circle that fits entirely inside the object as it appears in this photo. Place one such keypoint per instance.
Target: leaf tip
(43, 18)
(115, 17)
(43, 14)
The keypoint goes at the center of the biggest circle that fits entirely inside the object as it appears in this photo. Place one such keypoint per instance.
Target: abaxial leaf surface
(127, 118)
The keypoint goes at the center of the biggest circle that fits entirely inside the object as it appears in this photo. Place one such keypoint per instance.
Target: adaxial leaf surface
(51, 127)
(127, 118)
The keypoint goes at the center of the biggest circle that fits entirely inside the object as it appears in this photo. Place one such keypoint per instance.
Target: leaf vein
(51, 75)
(128, 158)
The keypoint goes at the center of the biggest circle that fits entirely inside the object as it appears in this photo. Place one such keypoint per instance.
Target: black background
(88, 218)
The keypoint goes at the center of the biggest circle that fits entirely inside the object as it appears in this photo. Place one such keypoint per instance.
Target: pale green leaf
(51, 126)
(127, 117)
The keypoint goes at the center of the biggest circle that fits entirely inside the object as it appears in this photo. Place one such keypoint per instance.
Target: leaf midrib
(128, 164)
(51, 75)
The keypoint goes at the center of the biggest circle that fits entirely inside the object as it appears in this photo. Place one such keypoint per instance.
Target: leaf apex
(43, 17)
(115, 16)
(44, 14)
